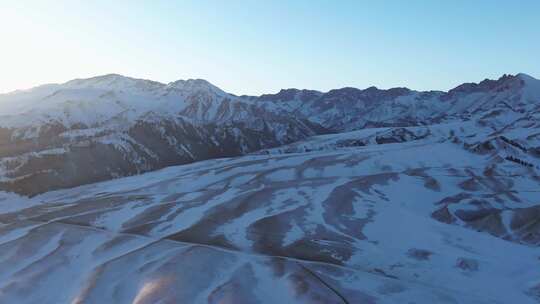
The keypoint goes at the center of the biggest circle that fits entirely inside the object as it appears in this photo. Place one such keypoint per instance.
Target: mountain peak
(113, 81)
(99, 78)
(196, 85)
(291, 94)
(503, 83)
(528, 79)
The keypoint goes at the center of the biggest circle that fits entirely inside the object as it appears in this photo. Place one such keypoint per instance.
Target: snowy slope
(417, 221)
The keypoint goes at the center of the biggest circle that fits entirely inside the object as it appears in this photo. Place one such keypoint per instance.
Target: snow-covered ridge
(100, 99)
(96, 100)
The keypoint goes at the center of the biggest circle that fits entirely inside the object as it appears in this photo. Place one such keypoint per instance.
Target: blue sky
(254, 47)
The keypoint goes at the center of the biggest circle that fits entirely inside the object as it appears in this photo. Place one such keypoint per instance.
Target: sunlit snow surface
(340, 225)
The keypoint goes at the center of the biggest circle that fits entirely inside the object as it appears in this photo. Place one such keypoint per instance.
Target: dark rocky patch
(419, 254)
(467, 264)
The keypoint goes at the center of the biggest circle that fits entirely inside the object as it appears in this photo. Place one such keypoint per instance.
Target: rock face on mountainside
(88, 130)
(348, 196)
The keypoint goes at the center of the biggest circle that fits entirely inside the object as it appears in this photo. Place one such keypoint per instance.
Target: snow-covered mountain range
(88, 130)
(346, 196)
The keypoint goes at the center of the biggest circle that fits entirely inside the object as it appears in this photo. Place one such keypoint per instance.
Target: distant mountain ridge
(88, 130)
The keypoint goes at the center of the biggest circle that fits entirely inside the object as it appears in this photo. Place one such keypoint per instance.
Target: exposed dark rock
(467, 264)
(419, 254)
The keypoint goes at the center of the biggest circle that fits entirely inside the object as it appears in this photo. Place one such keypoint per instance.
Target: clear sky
(254, 47)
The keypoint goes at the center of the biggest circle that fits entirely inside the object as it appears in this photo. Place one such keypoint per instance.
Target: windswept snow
(362, 221)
